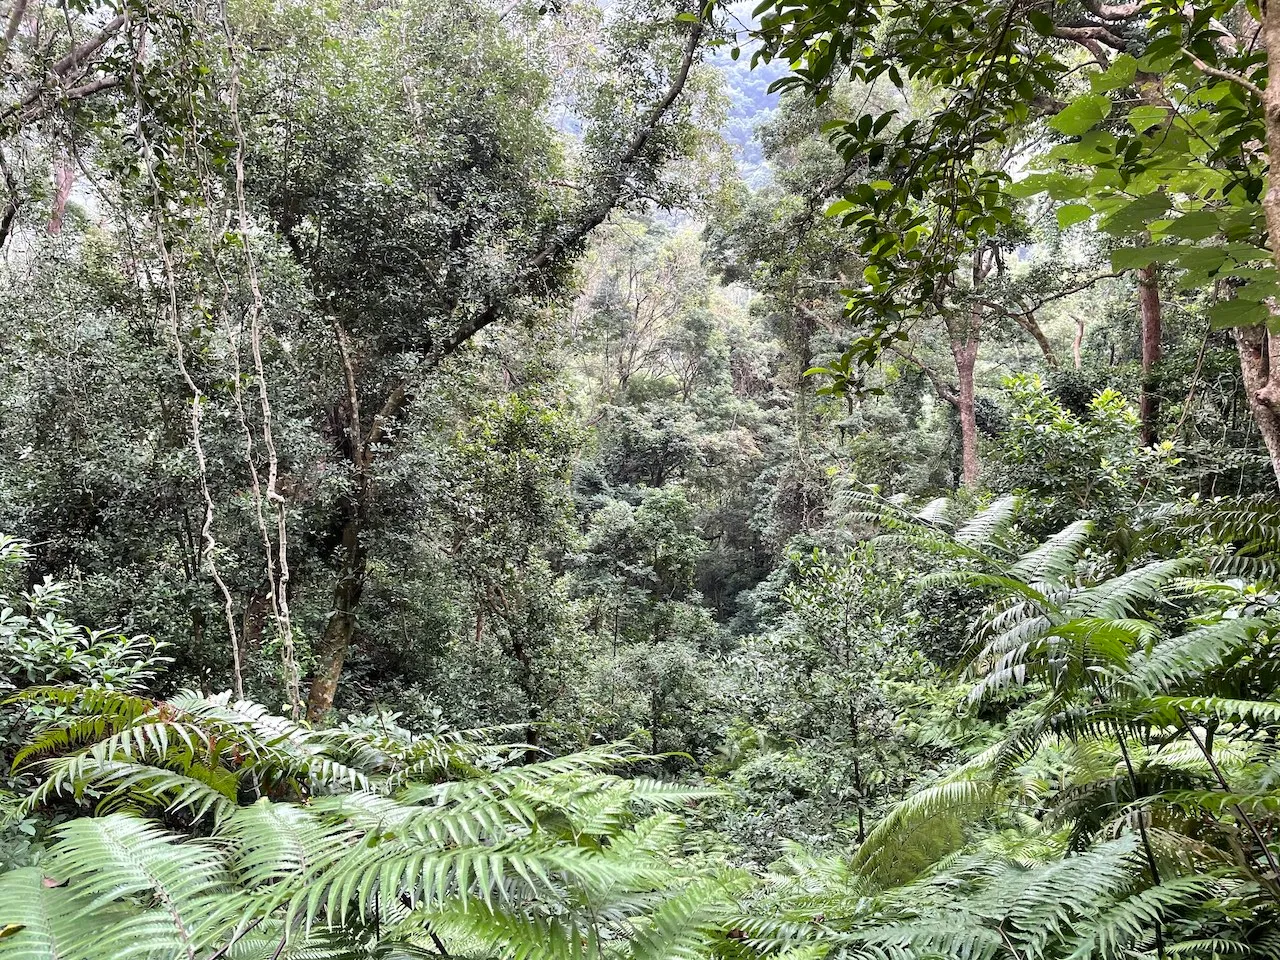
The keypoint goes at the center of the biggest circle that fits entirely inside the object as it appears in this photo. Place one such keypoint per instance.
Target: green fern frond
(957, 797)
(1056, 558)
(118, 859)
(1133, 918)
(684, 924)
(43, 918)
(1251, 712)
(991, 526)
(1123, 595)
(1174, 661)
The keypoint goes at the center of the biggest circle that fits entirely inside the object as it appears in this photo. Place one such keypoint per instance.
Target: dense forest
(639, 479)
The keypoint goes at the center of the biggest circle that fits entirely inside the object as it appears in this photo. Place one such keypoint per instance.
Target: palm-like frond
(558, 852)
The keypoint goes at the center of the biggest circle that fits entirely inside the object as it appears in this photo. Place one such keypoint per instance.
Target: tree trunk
(331, 651)
(966, 355)
(1256, 364)
(64, 181)
(654, 714)
(253, 620)
(1029, 323)
(1149, 310)
(965, 335)
(857, 771)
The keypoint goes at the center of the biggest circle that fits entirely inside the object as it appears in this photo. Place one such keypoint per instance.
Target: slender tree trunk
(1078, 341)
(1256, 362)
(966, 355)
(253, 620)
(12, 200)
(965, 334)
(1149, 311)
(331, 651)
(654, 714)
(64, 181)
(857, 770)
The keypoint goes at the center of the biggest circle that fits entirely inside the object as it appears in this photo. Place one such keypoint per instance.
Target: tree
(444, 260)
(1169, 170)
(358, 841)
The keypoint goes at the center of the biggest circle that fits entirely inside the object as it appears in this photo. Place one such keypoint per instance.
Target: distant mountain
(750, 103)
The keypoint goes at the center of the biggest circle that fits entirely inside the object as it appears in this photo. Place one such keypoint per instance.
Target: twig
(1237, 78)
(197, 398)
(280, 586)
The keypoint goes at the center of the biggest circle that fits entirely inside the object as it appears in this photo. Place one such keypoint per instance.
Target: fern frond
(120, 859)
(1133, 918)
(1174, 661)
(990, 526)
(43, 918)
(1056, 558)
(1121, 596)
(958, 797)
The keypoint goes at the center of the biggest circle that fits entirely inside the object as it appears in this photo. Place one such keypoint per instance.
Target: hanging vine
(159, 209)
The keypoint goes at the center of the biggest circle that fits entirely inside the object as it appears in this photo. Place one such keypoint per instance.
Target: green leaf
(1041, 22)
(1196, 225)
(1205, 260)
(1131, 258)
(1136, 214)
(1236, 313)
(1121, 73)
(1081, 115)
(1056, 185)
(1073, 213)
(1145, 117)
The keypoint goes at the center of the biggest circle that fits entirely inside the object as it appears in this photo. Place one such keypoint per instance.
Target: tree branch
(594, 215)
(1084, 34)
(1026, 319)
(945, 391)
(1113, 12)
(1237, 78)
(62, 68)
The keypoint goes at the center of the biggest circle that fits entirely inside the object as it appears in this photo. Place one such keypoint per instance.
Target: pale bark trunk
(966, 355)
(1255, 366)
(331, 651)
(1258, 362)
(64, 180)
(1149, 311)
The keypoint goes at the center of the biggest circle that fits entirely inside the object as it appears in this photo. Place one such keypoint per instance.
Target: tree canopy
(651, 479)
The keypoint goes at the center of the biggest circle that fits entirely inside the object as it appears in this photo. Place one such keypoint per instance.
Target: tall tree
(424, 207)
(1185, 164)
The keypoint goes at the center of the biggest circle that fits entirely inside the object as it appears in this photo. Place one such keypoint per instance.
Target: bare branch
(1113, 12)
(1237, 78)
(1084, 34)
